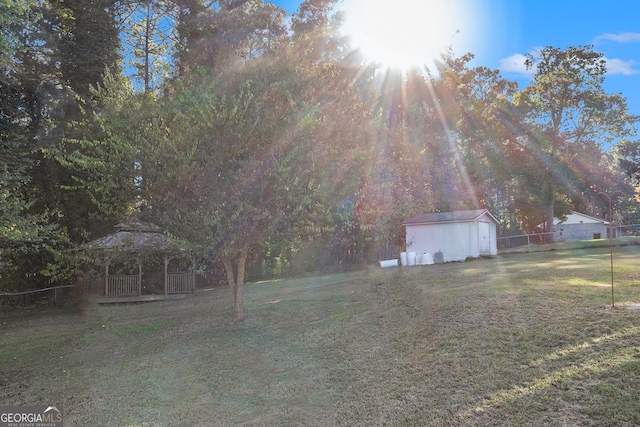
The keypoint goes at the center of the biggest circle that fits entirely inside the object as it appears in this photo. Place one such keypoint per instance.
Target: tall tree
(84, 46)
(149, 36)
(210, 202)
(628, 154)
(88, 41)
(210, 34)
(500, 171)
(27, 94)
(313, 20)
(223, 26)
(27, 236)
(315, 27)
(255, 160)
(100, 153)
(568, 111)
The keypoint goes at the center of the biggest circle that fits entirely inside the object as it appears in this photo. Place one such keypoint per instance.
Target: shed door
(484, 238)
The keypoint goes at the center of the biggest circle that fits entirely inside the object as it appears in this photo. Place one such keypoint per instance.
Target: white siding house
(579, 226)
(458, 235)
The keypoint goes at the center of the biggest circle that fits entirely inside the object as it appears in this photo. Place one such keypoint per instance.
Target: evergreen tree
(28, 237)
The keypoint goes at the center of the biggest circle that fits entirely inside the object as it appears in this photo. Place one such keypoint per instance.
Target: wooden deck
(135, 298)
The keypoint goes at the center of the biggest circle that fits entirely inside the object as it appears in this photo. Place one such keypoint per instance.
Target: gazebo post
(106, 278)
(139, 277)
(193, 274)
(166, 274)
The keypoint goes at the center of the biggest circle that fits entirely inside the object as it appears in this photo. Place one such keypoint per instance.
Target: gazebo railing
(129, 285)
(179, 283)
(123, 285)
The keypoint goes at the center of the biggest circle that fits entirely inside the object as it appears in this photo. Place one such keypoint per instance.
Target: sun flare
(411, 33)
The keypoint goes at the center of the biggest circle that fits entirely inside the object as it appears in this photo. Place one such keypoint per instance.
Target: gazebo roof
(136, 236)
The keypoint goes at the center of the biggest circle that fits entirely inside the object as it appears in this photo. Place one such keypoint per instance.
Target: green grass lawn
(524, 339)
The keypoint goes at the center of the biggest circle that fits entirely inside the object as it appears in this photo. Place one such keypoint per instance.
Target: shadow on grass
(568, 374)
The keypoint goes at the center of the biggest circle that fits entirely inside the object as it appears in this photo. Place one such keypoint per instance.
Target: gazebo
(134, 242)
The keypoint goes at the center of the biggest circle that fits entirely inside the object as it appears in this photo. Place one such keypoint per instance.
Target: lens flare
(412, 33)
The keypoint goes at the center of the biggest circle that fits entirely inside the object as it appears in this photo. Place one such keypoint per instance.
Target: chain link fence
(584, 233)
(58, 296)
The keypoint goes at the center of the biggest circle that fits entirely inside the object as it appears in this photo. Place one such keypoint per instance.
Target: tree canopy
(570, 117)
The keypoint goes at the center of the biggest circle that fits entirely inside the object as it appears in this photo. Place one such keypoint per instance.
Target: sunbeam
(454, 148)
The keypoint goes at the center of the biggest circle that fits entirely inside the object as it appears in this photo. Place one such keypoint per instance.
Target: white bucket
(411, 258)
(389, 263)
(426, 259)
(403, 258)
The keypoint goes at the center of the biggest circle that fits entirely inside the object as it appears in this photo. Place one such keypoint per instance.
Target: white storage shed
(458, 235)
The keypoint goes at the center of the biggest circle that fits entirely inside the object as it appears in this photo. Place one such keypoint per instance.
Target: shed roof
(578, 218)
(448, 217)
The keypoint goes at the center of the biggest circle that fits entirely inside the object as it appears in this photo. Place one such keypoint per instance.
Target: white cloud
(516, 63)
(620, 38)
(618, 66)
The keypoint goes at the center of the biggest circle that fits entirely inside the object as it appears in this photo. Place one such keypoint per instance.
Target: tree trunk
(549, 227)
(231, 279)
(236, 281)
(550, 216)
(242, 258)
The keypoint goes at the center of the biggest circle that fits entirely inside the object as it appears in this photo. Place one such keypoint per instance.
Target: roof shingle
(439, 217)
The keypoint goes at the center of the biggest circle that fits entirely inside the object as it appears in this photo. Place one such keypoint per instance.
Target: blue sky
(508, 29)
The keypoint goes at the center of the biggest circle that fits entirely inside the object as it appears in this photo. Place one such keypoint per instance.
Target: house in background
(458, 235)
(579, 226)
